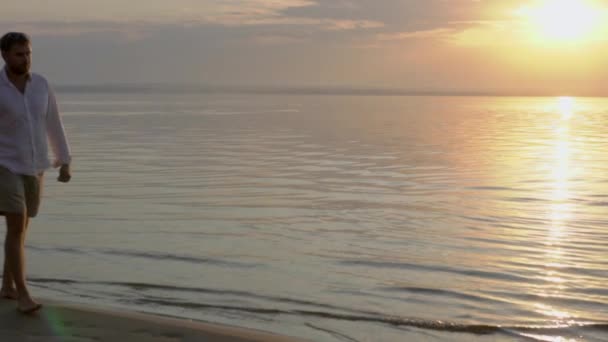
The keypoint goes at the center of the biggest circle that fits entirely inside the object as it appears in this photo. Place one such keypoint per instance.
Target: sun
(563, 20)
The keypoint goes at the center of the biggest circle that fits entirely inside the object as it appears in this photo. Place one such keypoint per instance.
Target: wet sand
(67, 322)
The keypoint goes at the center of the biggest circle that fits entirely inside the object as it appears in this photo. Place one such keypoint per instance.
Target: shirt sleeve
(56, 133)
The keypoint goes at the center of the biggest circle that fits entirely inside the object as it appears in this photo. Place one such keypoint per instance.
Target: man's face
(18, 59)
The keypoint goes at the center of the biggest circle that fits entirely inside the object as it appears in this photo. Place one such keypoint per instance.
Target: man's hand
(64, 174)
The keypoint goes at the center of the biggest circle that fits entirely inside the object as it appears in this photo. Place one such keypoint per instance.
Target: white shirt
(27, 121)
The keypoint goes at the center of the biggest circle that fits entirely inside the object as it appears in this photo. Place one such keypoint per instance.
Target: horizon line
(301, 90)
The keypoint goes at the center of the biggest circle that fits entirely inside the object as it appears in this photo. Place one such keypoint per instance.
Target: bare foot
(27, 305)
(8, 293)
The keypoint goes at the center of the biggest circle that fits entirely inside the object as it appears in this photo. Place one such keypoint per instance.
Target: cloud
(487, 33)
(327, 24)
(70, 17)
(468, 33)
(247, 12)
(154, 11)
(422, 34)
(354, 24)
(360, 22)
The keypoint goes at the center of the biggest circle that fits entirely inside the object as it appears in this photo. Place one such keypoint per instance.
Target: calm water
(336, 218)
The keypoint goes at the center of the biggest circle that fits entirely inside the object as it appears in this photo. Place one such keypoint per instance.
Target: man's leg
(8, 290)
(14, 249)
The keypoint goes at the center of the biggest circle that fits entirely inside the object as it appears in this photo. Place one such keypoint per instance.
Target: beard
(20, 70)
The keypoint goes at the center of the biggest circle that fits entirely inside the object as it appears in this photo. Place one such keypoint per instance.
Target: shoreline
(59, 321)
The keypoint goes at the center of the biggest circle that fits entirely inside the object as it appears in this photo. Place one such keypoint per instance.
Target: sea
(333, 217)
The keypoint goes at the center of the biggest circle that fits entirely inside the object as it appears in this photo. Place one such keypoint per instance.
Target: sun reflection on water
(560, 208)
(566, 106)
(559, 211)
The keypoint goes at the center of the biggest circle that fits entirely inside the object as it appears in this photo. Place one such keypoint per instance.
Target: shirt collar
(4, 76)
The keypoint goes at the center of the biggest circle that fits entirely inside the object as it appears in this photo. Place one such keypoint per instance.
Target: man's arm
(57, 139)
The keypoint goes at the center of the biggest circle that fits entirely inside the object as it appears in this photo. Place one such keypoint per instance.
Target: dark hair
(11, 39)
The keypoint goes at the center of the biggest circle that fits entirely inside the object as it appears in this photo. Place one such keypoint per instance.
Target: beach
(68, 322)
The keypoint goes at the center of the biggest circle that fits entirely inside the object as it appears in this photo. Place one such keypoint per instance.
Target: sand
(70, 323)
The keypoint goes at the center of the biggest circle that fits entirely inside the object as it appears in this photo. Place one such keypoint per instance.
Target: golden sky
(521, 46)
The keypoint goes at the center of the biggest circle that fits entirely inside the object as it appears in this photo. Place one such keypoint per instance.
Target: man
(29, 118)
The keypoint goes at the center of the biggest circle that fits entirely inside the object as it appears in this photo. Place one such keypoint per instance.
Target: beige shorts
(19, 193)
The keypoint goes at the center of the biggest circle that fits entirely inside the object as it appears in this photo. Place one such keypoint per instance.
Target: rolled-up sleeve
(56, 133)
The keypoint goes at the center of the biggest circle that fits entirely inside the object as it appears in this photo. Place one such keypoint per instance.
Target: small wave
(493, 188)
(174, 257)
(53, 280)
(394, 321)
(523, 199)
(551, 299)
(331, 332)
(438, 292)
(435, 325)
(481, 219)
(401, 265)
(326, 311)
(171, 288)
(57, 249)
(593, 291)
(147, 255)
